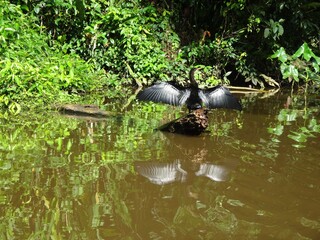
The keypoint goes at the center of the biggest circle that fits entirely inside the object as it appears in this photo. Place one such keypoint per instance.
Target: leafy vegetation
(303, 65)
(31, 71)
(139, 42)
(65, 178)
(127, 38)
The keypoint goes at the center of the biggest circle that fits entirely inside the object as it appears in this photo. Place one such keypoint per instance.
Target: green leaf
(289, 71)
(294, 72)
(280, 30)
(298, 53)
(315, 67)
(307, 53)
(317, 59)
(281, 55)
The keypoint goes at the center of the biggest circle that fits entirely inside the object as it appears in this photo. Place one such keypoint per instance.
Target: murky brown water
(119, 179)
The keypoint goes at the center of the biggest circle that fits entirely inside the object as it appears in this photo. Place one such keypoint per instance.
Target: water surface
(253, 175)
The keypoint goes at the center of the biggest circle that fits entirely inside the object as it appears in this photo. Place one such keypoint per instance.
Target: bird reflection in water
(164, 173)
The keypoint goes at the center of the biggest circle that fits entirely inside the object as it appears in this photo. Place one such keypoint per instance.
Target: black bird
(194, 97)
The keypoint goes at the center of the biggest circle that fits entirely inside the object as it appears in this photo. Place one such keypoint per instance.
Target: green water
(254, 175)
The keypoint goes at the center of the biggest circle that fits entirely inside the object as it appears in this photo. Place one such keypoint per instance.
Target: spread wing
(164, 93)
(219, 97)
(216, 173)
(161, 173)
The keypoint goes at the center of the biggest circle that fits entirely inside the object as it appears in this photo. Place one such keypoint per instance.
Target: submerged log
(194, 123)
(83, 110)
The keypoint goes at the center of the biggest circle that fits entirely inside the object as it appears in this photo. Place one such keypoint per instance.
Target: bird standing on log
(192, 96)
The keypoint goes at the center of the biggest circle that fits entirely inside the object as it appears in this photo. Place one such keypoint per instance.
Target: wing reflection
(162, 173)
(216, 173)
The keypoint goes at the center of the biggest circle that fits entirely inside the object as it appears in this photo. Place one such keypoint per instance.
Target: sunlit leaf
(317, 59)
(298, 53)
(315, 67)
(281, 55)
(307, 53)
(289, 71)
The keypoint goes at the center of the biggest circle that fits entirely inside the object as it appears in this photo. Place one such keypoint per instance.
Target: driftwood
(83, 110)
(193, 123)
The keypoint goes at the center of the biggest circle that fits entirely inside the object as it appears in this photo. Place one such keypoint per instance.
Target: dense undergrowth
(31, 71)
(53, 51)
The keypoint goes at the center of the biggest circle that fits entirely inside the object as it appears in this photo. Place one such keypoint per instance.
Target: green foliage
(252, 32)
(126, 38)
(141, 42)
(302, 65)
(31, 71)
(130, 40)
(274, 29)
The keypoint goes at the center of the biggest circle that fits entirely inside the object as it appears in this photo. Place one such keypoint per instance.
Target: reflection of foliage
(308, 125)
(65, 178)
(222, 219)
(223, 121)
(304, 133)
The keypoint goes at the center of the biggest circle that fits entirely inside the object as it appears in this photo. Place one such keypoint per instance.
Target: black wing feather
(219, 97)
(164, 93)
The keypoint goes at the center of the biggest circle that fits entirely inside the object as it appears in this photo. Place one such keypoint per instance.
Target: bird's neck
(193, 82)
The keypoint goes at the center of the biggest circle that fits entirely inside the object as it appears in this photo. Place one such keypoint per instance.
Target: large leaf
(281, 55)
(298, 53)
(305, 51)
(289, 71)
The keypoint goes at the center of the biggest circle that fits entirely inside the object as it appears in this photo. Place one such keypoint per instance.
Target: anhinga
(194, 97)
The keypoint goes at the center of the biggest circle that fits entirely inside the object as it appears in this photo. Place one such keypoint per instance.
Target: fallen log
(194, 123)
(83, 110)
